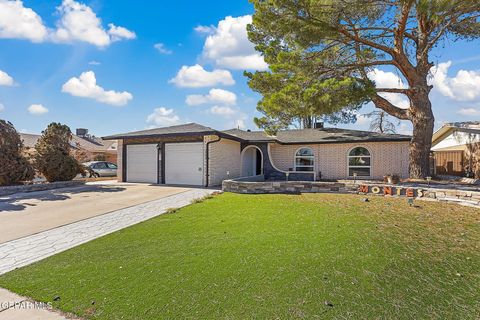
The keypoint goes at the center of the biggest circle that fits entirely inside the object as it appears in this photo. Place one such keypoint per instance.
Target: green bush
(53, 157)
(14, 167)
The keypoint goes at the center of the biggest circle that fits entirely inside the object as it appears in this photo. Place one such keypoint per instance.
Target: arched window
(359, 162)
(304, 159)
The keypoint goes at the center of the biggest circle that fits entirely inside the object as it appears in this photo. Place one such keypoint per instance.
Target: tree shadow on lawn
(19, 202)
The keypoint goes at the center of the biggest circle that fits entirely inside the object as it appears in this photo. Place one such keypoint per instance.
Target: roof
(183, 129)
(92, 144)
(447, 128)
(323, 135)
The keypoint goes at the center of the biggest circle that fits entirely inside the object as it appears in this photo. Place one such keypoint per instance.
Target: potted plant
(391, 179)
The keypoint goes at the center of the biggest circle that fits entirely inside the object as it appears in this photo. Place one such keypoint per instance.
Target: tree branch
(394, 90)
(389, 108)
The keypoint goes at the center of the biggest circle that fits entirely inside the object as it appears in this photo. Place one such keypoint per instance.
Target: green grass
(273, 257)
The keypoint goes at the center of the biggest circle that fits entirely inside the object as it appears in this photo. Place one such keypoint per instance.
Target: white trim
(241, 160)
(369, 156)
(295, 159)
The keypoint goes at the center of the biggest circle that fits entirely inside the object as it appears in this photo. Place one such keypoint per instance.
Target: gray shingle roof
(93, 144)
(325, 135)
(189, 128)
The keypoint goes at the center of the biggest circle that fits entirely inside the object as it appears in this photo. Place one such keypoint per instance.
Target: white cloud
(390, 80)
(94, 63)
(119, 33)
(223, 111)
(163, 117)
(469, 112)
(86, 86)
(5, 79)
(2, 107)
(465, 86)
(18, 22)
(160, 47)
(37, 109)
(228, 45)
(219, 96)
(79, 23)
(362, 120)
(205, 29)
(196, 77)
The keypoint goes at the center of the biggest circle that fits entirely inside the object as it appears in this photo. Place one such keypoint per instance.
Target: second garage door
(184, 163)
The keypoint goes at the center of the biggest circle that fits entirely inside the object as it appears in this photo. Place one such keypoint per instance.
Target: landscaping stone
(453, 195)
(8, 190)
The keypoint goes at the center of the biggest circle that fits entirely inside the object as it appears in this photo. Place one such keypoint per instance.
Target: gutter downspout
(207, 156)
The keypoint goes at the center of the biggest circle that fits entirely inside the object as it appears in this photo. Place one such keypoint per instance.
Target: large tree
(291, 97)
(54, 157)
(14, 167)
(347, 38)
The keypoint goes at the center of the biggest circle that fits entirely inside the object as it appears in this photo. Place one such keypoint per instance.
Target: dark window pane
(111, 166)
(304, 168)
(101, 165)
(361, 172)
(359, 151)
(359, 161)
(305, 152)
(304, 161)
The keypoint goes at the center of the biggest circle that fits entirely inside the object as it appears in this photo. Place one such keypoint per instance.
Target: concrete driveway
(30, 213)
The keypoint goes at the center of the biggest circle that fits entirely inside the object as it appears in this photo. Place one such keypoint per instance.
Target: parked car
(102, 168)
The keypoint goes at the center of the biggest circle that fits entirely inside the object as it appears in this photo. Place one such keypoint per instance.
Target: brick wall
(224, 157)
(331, 159)
(120, 160)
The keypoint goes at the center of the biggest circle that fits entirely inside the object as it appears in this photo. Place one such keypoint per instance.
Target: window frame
(296, 156)
(349, 166)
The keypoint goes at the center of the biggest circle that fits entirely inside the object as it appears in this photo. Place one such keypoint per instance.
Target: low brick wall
(249, 187)
(458, 196)
(8, 190)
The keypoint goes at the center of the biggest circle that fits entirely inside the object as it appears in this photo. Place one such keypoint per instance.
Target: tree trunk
(423, 122)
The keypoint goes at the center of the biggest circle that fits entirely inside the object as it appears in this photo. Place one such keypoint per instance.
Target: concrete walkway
(21, 252)
(26, 214)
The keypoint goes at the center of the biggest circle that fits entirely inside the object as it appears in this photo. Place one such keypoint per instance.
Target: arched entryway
(252, 161)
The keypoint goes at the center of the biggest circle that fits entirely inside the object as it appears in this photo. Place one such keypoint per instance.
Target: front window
(359, 162)
(304, 160)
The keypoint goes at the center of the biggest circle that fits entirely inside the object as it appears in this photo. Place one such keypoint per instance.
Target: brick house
(90, 147)
(192, 154)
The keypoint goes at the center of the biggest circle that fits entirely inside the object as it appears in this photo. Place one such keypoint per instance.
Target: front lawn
(273, 257)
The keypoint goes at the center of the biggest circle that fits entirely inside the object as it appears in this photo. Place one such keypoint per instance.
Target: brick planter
(8, 190)
(257, 186)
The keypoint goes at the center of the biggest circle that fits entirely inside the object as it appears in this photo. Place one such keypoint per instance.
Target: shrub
(53, 157)
(14, 167)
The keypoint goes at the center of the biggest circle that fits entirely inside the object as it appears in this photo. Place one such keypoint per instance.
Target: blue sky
(52, 60)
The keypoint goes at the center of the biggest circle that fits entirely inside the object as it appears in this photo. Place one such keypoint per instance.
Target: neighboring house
(193, 154)
(454, 146)
(90, 146)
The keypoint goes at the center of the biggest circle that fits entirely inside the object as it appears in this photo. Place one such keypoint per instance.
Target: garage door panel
(142, 163)
(184, 163)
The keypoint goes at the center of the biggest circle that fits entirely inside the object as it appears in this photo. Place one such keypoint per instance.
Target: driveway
(30, 213)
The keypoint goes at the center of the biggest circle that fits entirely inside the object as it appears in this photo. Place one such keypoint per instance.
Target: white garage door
(142, 163)
(184, 163)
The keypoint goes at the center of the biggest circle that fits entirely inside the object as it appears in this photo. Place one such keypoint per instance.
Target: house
(454, 146)
(192, 154)
(91, 147)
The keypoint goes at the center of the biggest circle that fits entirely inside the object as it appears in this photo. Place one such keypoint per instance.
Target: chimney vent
(82, 132)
